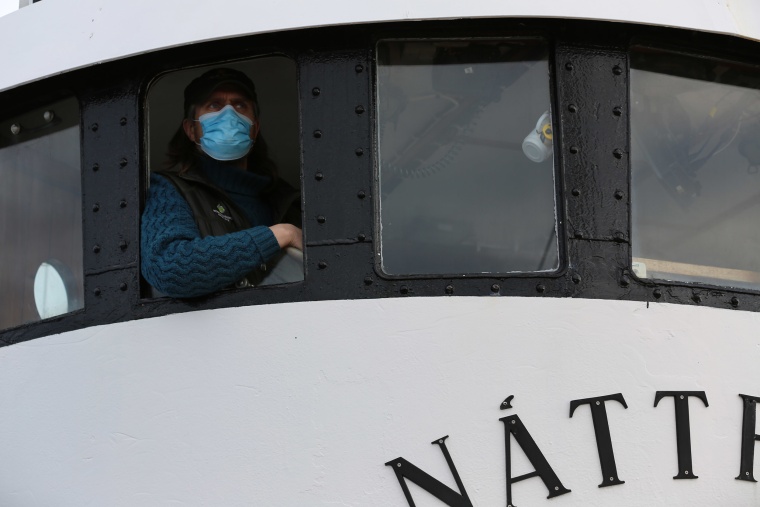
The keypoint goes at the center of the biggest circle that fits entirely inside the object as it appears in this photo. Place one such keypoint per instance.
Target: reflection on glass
(695, 131)
(465, 144)
(41, 208)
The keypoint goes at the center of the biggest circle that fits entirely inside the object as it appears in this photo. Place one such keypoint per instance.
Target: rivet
(361, 194)
(617, 153)
(359, 67)
(556, 488)
(449, 289)
(359, 152)
(95, 167)
(696, 298)
(404, 289)
(123, 286)
(368, 280)
(598, 403)
(657, 293)
(734, 301)
(123, 204)
(617, 70)
(681, 396)
(96, 249)
(48, 116)
(619, 194)
(321, 219)
(123, 121)
(575, 192)
(686, 472)
(316, 91)
(612, 478)
(96, 291)
(359, 109)
(625, 281)
(96, 207)
(440, 441)
(746, 473)
(317, 134)
(619, 237)
(361, 237)
(578, 235)
(513, 421)
(123, 245)
(123, 162)
(94, 127)
(322, 265)
(569, 66)
(617, 111)
(15, 129)
(572, 108)
(495, 287)
(319, 176)
(576, 278)
(574, 150)
(540, 288)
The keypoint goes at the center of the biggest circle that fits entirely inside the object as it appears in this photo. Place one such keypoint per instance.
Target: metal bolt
(319, 176)
(540, 288)
(617, 70)
(95, 167)
(625, 281)
(123, 121)
(569, 66)
(96, 291)
(574, 150)
(578, 235)
(576, 278)
(361, 194)
(359, 68)
(512, 421)
(322, 265)
(398, 464)
(368, 280)
(686, 472)
(572, 108)
(321, 219)
(746, 473)
(598, 403)
(617, 111)
(316, 91)
(440, 441)
(123, 204)
(15, 129)
(449, 289)
(734, 301)
(123, 162)
(657, 293)
(96, 249)
(556, 488)
(317, 134)
(94, 127)
(619, 194)
(404, 289)
(495, 287)
(96, 207)
(503, 402)
(617, 153)
(619, 237)
(123, 245)
(359, 109)
(575, 192)
(123, 286)
(696, 298)
(48, 116)
(361, 236)
(681, 396)
(359, 152)
(612, 478)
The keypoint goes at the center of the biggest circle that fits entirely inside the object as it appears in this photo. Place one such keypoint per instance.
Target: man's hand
(288, 235)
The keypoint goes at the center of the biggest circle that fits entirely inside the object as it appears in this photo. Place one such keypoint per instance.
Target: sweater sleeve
(178, 262)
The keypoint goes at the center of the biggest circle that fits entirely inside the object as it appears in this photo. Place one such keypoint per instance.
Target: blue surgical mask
(226, 134)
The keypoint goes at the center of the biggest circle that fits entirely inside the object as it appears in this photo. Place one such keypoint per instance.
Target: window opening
(41, 269)
(465, 157)
(695, 131)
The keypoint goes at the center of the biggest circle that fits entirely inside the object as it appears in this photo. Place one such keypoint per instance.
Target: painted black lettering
(683, 430)
(749, 437)
(405, 470)
(602, 432)
(514, 426)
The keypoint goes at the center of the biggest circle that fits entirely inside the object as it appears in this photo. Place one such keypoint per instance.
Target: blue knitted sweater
(177, 261)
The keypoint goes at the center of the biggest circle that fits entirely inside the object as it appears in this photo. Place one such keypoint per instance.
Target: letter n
(405, 470)
(514, 426)
(749, 437)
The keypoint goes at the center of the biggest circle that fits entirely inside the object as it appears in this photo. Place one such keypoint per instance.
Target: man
(208, 218)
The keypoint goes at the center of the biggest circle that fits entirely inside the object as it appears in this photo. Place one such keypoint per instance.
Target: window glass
(695, 132)
(41, 273)
(465, 157)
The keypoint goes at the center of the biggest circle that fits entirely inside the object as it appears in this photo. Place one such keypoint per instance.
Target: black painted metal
(749, 437)
(590, 83)
(602, 432)
(683, 428)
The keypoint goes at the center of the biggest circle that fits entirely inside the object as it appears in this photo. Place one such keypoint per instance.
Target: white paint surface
(302, 404)
(55, 36)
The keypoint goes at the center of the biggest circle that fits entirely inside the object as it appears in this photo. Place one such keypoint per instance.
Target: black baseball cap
(201, 87)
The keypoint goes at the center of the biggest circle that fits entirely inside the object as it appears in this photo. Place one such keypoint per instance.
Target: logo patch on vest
(220, 211)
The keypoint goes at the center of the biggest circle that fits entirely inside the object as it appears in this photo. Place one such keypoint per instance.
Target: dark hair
(182, 154)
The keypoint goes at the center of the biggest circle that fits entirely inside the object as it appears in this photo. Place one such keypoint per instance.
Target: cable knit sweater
(177, 261)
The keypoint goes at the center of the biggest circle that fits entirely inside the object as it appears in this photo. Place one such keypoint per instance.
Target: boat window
(695, 156)
(261, 191)
(41, 270)
(465, 157)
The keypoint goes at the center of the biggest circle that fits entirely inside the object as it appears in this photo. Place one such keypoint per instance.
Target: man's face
(226, 94)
